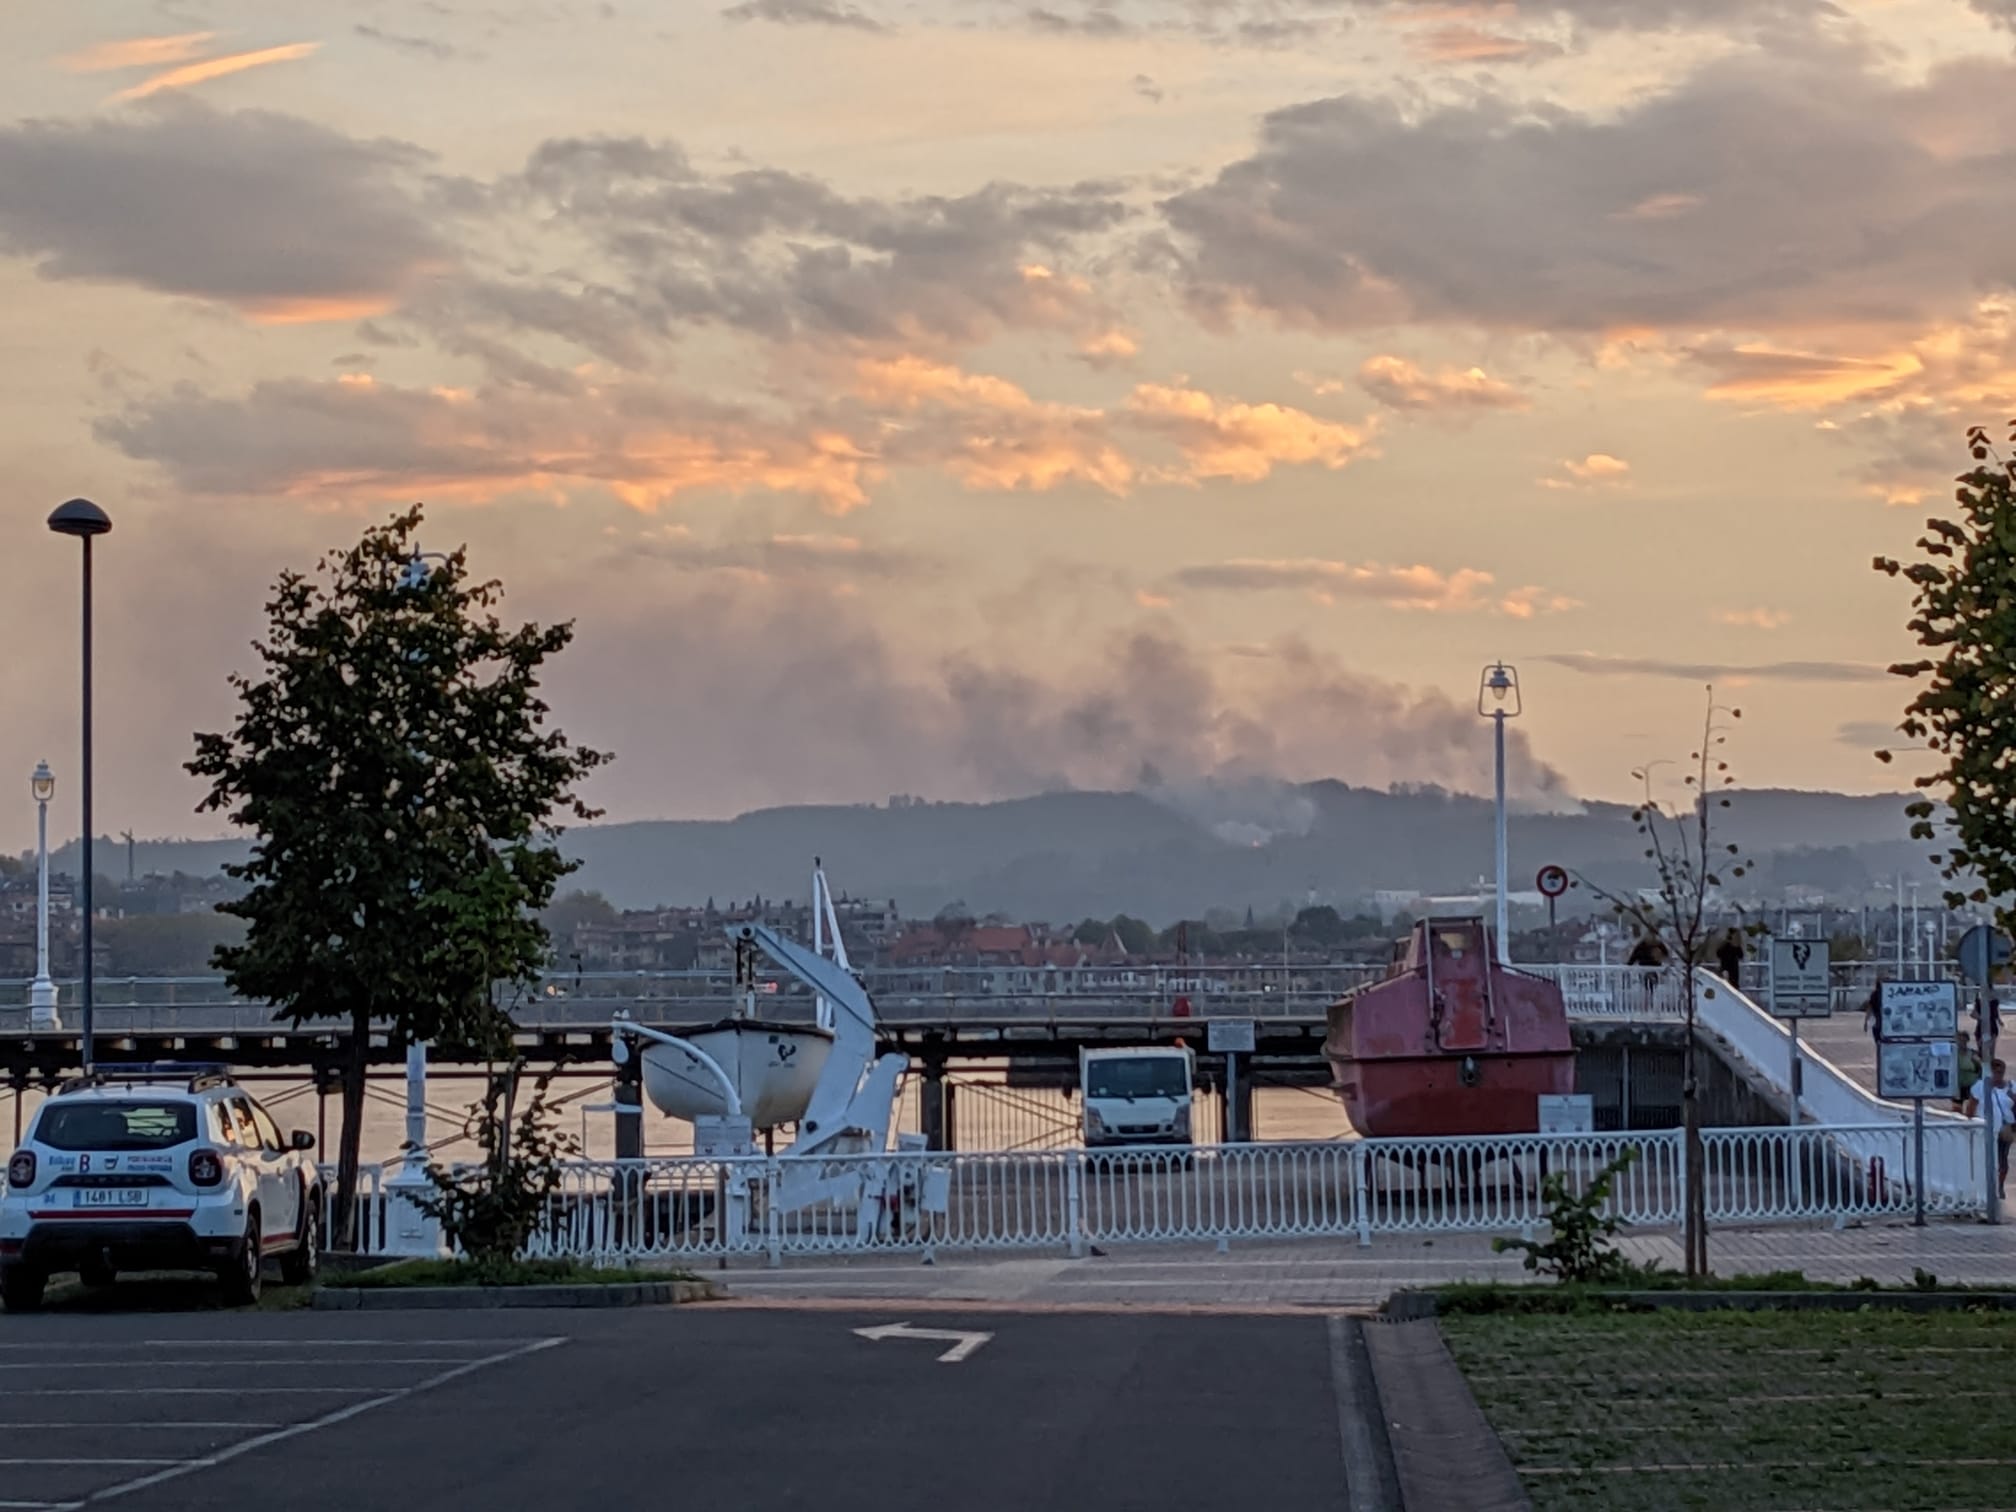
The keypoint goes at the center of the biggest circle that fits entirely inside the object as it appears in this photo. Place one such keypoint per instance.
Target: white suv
(156, 1168)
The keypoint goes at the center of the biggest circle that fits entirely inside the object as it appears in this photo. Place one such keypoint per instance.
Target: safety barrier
(689, 1208)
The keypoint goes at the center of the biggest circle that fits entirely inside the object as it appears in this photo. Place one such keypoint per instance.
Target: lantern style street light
(1498, 701)
(42, 991)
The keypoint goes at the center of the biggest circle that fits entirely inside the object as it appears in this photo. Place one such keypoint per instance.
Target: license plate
(109, 1197)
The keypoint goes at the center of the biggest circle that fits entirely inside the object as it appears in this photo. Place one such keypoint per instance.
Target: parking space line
(151, 1361)
(66, 1346)
(295, 1430)
(472, 1341)
(230, 1391)
(61, 1460)
(131, 1427)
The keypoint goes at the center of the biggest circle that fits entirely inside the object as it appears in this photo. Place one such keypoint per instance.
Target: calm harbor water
(988, 1114)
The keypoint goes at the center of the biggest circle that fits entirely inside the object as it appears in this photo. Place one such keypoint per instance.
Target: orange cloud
(1398, 382)
(281, 312)
(1756, 619)
(988, 432)
(1471, 44)
(354, 439)
(216, 68)
(1752, 373)
(1231, 439)
(136, 52)
(1463, 590)
(1597, 470)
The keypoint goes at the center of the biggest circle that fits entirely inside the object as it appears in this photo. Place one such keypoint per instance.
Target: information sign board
(1917, 1011)
(1916, 1068)
(1225, 1036)
(1801, 986)
(1572, 1113)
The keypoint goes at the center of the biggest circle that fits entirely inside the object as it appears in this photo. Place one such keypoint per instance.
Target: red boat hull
(1403, 1099)
(1451, 1042)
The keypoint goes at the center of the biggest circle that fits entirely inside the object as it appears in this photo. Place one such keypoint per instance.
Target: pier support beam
(934, 1113)
(629, 1100)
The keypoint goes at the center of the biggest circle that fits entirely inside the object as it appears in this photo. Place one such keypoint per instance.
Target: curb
(478, 1298)
(1406, 1307)
(1446, 1456)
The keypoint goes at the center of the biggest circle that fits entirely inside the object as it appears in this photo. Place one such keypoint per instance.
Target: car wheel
(96, 1273)
(298, 1266)
(241, 1274)
(21, 1288)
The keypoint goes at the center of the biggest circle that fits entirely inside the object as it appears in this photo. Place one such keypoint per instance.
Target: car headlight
(1182, 1119)
(1094, 1124)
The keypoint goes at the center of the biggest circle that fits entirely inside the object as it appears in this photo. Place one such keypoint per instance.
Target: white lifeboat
(773, 1068)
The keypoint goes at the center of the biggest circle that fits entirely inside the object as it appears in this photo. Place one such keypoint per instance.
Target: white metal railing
(370, 1208)
(1635, 993)
(689, 1208)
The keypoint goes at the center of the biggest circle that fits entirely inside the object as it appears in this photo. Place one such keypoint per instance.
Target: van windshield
(137, 1125)
(1138, 1076)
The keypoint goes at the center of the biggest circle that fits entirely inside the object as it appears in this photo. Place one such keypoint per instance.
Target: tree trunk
(351, 1136)
(1694, 1199)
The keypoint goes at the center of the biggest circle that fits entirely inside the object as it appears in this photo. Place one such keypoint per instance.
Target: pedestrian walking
(1967, 1070)
(1993, 1097)
(1649, 953)
(1729, 956)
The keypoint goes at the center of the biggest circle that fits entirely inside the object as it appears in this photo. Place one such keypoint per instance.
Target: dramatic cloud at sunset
(969, 400)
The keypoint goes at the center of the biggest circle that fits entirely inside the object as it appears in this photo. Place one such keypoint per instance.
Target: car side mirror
(301, 1139)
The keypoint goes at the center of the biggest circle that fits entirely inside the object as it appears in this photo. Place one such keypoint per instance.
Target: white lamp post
(408, 1230)
(42, 992)
(1498, 701)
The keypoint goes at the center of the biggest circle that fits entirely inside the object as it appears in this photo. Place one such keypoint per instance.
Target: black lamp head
(79, 517)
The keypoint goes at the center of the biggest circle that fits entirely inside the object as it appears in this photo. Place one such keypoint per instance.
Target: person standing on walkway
(1649, 953)
(1996, 1086)
(1729, 956)
(1968, 1070)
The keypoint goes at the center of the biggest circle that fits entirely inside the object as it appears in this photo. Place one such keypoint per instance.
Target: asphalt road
(754, 1410)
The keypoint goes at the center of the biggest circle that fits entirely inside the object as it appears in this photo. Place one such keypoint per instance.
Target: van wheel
(241, 1273)
(298, 1266)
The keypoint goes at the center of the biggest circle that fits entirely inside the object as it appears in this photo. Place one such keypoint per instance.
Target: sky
(970, 399)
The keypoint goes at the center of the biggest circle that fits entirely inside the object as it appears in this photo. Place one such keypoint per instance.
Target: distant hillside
(1067, 855)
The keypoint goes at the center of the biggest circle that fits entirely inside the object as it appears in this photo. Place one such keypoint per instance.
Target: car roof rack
(195, 1076)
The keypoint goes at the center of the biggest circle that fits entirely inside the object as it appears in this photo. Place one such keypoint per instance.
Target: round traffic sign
(1552, 881)
(1982, 950)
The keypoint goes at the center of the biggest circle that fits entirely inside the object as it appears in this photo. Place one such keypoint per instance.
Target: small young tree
(1690, 864)
(489, 1211)
(1965, 709)
(394, 764)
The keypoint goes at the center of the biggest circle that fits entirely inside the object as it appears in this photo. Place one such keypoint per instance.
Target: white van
(1137, 1096)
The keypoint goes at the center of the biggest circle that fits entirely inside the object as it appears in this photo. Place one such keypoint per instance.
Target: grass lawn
(1743, 1412)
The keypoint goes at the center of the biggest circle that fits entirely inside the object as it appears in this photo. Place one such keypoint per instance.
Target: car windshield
(1137, 1076)
(136, 1125)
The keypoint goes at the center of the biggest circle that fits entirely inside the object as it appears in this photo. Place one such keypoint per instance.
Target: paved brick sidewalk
(1342, 1274)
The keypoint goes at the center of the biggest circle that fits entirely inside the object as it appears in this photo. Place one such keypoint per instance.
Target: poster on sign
(1917, 1010)
(1924, 1068)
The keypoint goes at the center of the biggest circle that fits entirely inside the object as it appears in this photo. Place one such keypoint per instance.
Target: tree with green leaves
(1690, 864)
(1964, 615)
(393, 760)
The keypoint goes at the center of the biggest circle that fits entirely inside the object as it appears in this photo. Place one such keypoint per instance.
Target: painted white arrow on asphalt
(963, 1344)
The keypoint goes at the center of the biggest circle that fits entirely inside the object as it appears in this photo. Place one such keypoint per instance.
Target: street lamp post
(1498, 701)
(42, 992)
(85, 521)
(409, 1230)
